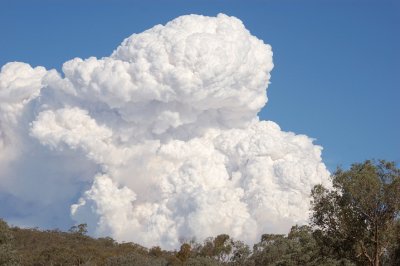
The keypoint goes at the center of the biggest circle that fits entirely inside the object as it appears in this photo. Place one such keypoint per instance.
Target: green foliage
(299, 247)
(155, 251)
(240, 253)
(135, 258)
(201, 261)
(184, 254)
(220, 248)
(357, 219)
(80, 229)
(53, 247)
(357, 222)
(8, 255)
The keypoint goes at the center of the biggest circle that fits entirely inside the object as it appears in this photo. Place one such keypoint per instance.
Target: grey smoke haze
(159, 141)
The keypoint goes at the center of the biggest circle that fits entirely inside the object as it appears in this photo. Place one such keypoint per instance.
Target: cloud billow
(158, 142)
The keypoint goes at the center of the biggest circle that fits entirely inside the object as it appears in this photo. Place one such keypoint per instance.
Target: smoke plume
(157, 142)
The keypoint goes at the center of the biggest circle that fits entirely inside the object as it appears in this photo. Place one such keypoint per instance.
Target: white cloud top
(158, 142)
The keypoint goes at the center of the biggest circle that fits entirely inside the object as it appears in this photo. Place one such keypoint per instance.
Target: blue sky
(337, 63)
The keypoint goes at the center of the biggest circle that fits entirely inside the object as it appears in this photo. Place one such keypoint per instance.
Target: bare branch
(364, 250)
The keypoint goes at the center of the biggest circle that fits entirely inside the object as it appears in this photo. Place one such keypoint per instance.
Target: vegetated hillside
(53, 247)
(354, 223)
(301, 246)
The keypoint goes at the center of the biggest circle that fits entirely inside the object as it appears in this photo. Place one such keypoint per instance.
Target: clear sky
(337, 63)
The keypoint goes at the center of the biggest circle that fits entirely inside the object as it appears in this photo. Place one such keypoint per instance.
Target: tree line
(354, 222)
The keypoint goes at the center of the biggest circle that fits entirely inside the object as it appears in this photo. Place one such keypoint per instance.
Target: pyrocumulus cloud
(157, 142)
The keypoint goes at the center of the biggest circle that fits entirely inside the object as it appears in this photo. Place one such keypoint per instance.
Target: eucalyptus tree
(357, 218)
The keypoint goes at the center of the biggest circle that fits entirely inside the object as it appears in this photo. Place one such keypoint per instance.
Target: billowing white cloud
(158, 142)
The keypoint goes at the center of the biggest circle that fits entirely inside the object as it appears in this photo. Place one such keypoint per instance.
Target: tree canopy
(359, 217)
(354, 222)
